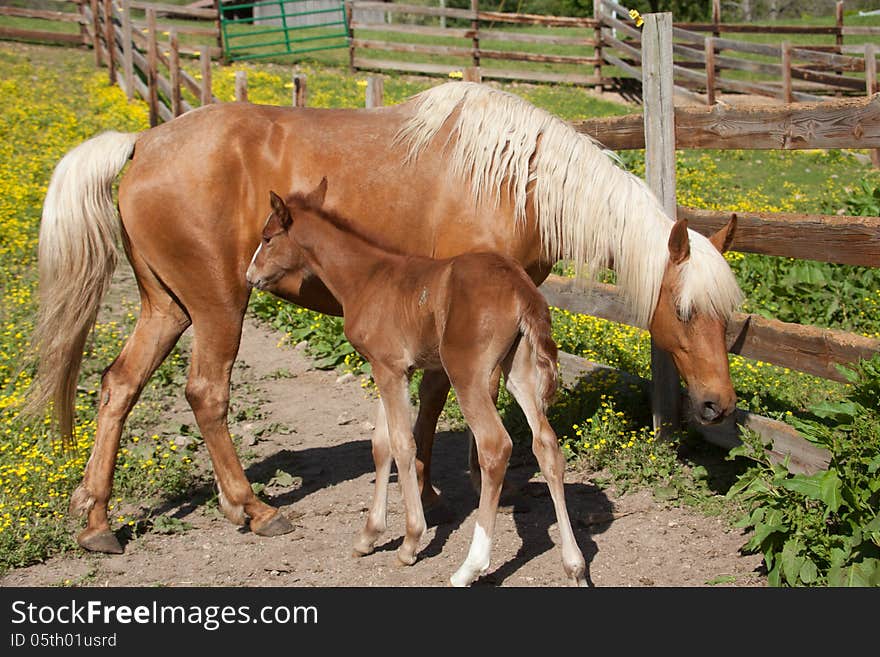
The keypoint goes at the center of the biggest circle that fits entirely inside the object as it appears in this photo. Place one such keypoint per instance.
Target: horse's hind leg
(376, 520)
(521, 375)
(217, 333)
(432, 398)
(494, 447)
(157, 330)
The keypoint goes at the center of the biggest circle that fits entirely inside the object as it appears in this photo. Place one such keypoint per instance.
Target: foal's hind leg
(521, 374)
(494, 447)
(157, 330)
(376, 520)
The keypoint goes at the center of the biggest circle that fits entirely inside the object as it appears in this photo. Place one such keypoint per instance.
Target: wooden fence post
(218, 26)
(241, 95)
(716, 18)
(375, 94)
(597, 47)
(127, 45)
(96, 32)
(838, 38)
(207, 95)
(657, 91)
(174, 73)
(710, 70)
(152, 68)
(299, 90)
(871, 88)
(472, 74)
(786, 72)
(475, 26)
(110, 39)
(349, 14)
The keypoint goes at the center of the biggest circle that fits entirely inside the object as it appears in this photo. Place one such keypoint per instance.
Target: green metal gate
(273, 28)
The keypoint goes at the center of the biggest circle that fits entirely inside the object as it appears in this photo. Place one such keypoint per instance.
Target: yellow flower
(636, 17)
(456, 75)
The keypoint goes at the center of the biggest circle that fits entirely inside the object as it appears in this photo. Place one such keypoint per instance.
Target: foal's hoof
(99, 540)
(275, 526)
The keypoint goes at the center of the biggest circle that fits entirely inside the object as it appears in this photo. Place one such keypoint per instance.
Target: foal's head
(278, 256)
(693, 334)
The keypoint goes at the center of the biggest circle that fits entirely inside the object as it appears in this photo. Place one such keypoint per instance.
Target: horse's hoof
(99, 540)
(405, 558)
(276, 526)
(361, 549)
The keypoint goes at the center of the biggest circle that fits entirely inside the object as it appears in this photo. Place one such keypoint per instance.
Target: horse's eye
(266, 239)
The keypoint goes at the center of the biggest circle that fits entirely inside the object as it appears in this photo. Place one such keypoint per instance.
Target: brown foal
(465, 315)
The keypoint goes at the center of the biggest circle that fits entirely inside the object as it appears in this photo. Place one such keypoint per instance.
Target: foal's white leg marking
(477, 562)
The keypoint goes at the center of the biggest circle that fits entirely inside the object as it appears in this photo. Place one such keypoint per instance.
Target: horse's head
(693, 335)
(278, 257)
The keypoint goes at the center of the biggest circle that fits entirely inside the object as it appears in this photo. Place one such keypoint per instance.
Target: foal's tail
(77, 256)
(534, 324)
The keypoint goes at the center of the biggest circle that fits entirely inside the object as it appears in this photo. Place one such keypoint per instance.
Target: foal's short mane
(588, 210)
(297, 200)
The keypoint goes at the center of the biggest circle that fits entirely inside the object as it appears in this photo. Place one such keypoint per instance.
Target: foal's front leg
(394, 389)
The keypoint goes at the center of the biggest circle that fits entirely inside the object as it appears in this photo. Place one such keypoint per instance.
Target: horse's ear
(724, 237)
(679, 242)
(316, 197)
(280, 210)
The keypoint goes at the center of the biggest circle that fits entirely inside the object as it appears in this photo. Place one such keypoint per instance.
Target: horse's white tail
(77, 256)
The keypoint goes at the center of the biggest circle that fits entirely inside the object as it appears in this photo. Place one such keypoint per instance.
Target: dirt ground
(316, 426)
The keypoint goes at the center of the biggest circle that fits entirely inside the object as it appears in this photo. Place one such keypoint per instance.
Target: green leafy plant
(822, 528)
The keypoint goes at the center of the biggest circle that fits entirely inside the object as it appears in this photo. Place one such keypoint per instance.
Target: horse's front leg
(394, 388)
(376, 520)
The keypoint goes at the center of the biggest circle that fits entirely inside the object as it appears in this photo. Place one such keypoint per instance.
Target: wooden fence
(197, 29)
(781, 70)
(145, 63)
(604, 49)
(475, 41)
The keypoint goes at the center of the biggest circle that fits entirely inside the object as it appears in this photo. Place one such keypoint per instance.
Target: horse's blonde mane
(588, 209)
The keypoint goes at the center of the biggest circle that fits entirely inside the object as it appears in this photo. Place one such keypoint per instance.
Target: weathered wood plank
(543, 39)
(827, 238)
(419, 30)
(176, 10)
(390, 46)
(399, 8)
(535, 19)
(783, 440)
(807, 349)
(843, 123)
(60, 16)
(39, 35)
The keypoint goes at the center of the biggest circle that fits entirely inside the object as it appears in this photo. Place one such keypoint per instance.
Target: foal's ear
(316, 197)
(724, 237)
(679, 242)
(280, 210)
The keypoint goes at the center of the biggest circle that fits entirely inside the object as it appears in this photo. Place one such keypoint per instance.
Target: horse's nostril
(711, 411)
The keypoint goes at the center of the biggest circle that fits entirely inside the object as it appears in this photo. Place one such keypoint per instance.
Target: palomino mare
(467, 316)
(458, 168)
